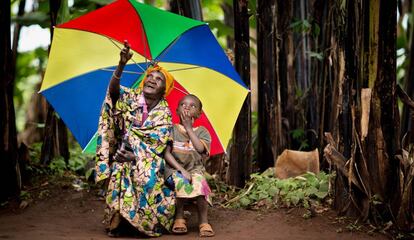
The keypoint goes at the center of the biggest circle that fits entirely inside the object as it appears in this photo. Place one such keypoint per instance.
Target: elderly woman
(134, 128)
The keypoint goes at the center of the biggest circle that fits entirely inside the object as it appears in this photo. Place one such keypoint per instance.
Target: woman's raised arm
(125, 55)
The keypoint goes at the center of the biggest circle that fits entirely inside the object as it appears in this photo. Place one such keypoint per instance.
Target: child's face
(190, 105)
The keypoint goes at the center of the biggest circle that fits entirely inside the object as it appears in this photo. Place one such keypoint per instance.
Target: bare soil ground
(68, 214)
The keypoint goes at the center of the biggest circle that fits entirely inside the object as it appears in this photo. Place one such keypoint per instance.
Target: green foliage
(57, 166)
(78, 162)
(307, 26)
(222, 30)
(266, 190)
(252, 11)
(299, 136)
(255, 138)
(34, 153)
(101, 2)
(63, 13)
(317, 55)
(28, 66)
(213, 14)
(24, 195)
(300, 26)
(32, 18)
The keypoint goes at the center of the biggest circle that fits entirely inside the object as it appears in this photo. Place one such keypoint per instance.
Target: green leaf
(24, 195)
(311, 191)
(88, 173)
(244, 201)
(323, 186)
(295, 200)
(306, 204)
(222, 29)
(316, 55)
(63, 13)
(263, 196)
(316, 30)
(102, 2)
(321, 195)
(33, 18)
(254, 196)
(273, 190)
(297, 133)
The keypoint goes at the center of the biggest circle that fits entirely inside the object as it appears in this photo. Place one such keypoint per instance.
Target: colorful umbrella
(85, 52)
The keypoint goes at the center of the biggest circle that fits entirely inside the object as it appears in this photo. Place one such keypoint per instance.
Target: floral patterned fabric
(192, 161)
(136, 189)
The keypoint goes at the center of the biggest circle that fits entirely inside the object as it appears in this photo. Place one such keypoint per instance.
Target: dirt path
(77, 215)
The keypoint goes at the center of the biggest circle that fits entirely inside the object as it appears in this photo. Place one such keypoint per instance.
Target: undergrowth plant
(77, 163)
(264, 190)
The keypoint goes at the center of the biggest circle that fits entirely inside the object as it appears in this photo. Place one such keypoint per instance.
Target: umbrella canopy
(85, 52)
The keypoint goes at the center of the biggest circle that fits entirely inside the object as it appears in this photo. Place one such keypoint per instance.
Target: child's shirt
(185, 153)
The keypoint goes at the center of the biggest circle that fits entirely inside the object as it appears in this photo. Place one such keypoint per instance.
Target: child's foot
(179, 226)
(206, 230)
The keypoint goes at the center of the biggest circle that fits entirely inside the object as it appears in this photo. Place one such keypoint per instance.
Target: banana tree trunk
(8, 142)
(55, 141)
(240, 165)
(188, 8)
(368, 124)
(270, 134)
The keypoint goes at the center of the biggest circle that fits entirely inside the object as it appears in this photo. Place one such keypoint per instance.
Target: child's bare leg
(202, 206)
(180, 225)
(179, 208)
(205, 228)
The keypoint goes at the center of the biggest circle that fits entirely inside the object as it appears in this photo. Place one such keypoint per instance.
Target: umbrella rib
(113, 70)
(181, 90)
(181, 69)
(131, 58)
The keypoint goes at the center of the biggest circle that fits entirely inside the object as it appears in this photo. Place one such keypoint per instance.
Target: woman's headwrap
(169, 79)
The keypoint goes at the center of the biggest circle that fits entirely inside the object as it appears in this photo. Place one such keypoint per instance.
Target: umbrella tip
(153, 63)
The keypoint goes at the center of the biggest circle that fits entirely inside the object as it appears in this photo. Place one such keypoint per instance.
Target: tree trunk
(241, 148)
(386, 87)
(329, 74)
(270, 133)
(8, 142)
(286, 70)
(55, 141)
(16, 37)
(369, 121)
(229, 20)
(188, 8)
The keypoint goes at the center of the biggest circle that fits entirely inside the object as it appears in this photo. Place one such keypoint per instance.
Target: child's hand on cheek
(186, 120)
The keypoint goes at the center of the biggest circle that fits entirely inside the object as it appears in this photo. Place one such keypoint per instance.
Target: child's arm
(173, 163)
(187, 122)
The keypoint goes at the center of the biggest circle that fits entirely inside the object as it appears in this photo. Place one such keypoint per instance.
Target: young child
(189, 148)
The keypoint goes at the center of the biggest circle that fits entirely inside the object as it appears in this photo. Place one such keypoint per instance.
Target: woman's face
(154, 84)
(189, 105)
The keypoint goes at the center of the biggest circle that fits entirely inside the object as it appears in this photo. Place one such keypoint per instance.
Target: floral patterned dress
(186, 155)
(136, 189)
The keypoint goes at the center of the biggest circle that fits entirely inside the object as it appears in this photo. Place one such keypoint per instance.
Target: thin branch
(404, 97)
